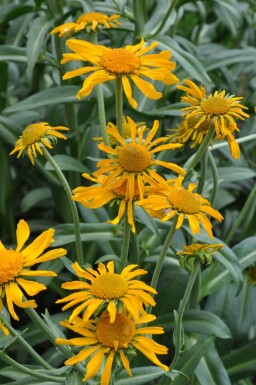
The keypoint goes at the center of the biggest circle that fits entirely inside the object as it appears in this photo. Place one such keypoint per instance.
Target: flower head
(106, 341)
(97, 195)
(197, 251)
(15, 267)
(219, 108)
(108, 289)
(166, 201)
(128, 63)
(36, 135)
(133, 159)
(88, 21)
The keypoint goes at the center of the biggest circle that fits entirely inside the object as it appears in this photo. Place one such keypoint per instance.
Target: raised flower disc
(128, 63)
(104, 342)
(133, 160)
(36, 135)
(88, 21)
(98, 195)
(168, 200)
(16, 264)
(109, 290)
(219, 109)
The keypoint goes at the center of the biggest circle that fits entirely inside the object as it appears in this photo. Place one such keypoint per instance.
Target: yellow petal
(94, 364)
(22, 234)
(105, 377)
(31, 287)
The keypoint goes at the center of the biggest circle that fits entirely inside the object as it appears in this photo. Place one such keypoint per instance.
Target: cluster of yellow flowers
(110, 307)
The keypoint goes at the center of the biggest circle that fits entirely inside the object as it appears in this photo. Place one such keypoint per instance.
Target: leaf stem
(119, 105)
(215, 179)
(125, 244)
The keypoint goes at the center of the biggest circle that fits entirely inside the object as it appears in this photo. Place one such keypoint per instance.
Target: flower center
(89, 17)
(116, 335)
(121, 190)
(119, 61)
(203, 127)
(33, 133)
(109, 286)
(215, 105)
(10, 266)
(134, 157)
(184, 201)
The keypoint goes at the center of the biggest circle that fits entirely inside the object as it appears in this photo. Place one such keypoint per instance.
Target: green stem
(204, 162)
(163, 253)
(119, 105)
(30, 372)
(242, 214)
(183, 303)
(73, 208)
(215, 179)
(139, 20)
(28, 347)
(125, 244)
(165, 18)
(245, 139)
(192, 162)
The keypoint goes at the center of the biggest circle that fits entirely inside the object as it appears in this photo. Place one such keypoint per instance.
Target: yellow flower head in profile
(220, 108)
(128, 63)
(167, 201)
(36, 135)
(98, 195)
(88, 21)
(105, 342)
(109, 290)
(15, 268)
(197, 251)
(133, 159)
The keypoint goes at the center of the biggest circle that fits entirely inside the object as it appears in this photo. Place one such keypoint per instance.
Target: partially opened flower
(197, 251)
(168, 201)
(107, 289)
(133, 160)
(105, 342)
(128, 63)
(36, 135)
(88, 21)
(220, 108)
(15, 267)
(97, 195)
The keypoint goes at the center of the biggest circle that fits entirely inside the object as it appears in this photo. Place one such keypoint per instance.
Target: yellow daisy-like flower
(166, 201)
(88, 21)
(197, 251)
(98, 195)
(220, 108)
(107, 288)
(36, 135)
(128, 63)
(133, 160)
(15, 266)
(105, 341)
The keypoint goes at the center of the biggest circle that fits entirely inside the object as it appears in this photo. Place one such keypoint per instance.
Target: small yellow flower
(98, 195)
(105, 342)
(108, 289)
(220, 108)
(166, 201)
(133, 159)
(128, 63)
(88, 21)
(36, 135)
(197, 251)
(16, 264)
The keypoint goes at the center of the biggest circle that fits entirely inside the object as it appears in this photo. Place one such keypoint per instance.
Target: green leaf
(33, 197)
(241, 363)
(74, 378)
(246, 252)
(140, 376)
(36, 37)
(234, 174)
(227, 57)
(7, 135)
(11, 53)
(191, 65)
(67, 163)
(65, 94)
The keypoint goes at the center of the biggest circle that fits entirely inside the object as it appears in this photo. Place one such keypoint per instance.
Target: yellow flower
(166, 201)
(203, 252)
(129, 63)
(107, 342)
(98, 195)
(109, 289)
(219, 108)
(88, 21)
(133, 160)
(36, 135)
(15, 265)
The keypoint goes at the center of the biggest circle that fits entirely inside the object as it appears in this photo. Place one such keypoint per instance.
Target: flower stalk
(125, 243)
(119, 105)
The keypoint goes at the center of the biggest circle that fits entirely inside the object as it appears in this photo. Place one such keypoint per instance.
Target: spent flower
(197, 251)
